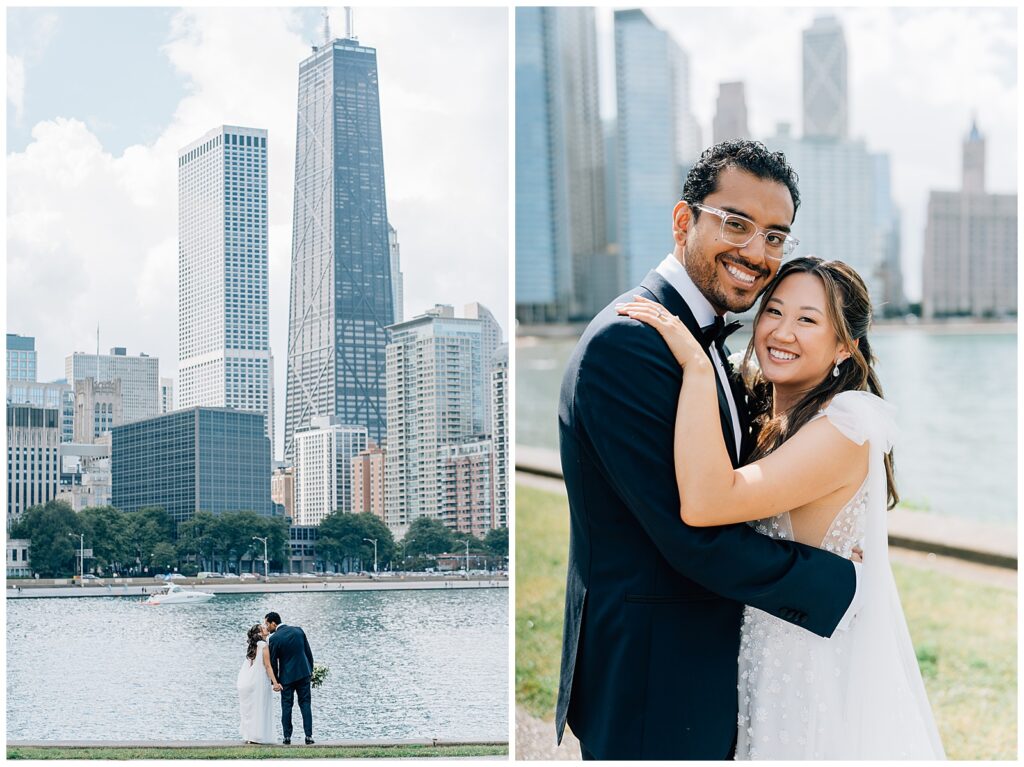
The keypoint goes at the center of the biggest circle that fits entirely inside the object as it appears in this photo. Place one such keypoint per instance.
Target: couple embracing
(729, 593)
(278, 659)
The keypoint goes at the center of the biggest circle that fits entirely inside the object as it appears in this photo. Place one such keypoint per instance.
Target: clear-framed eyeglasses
(741, 231)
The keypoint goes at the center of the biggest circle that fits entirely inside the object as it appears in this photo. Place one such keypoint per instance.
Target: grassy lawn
(965, 635)
(258, 752)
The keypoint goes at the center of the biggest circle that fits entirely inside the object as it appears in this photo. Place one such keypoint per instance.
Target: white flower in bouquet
(320, 673)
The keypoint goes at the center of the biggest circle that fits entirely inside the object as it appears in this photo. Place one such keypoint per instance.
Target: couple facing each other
(278, 660)
(689, 635)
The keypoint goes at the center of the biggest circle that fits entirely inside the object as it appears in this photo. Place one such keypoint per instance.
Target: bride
(255, 684)
(821, 474)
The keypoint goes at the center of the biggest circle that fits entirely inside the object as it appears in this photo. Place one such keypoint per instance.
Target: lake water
(957, 398)
(419, 664)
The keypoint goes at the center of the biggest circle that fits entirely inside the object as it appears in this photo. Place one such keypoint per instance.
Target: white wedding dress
(859, 694)
(256, 699)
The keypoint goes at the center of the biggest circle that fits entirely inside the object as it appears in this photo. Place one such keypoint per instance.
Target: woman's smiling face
(794, 339)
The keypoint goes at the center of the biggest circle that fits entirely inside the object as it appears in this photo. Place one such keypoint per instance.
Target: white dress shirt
(676, 276)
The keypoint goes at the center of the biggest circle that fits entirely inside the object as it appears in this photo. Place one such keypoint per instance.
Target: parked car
(231, 575)
(175, 577)
(248, 577)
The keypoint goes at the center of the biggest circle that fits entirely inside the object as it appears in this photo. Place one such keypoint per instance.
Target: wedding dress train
(256, 699)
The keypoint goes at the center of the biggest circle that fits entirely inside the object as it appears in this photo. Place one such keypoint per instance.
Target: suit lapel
(742, 399)
(668, 297)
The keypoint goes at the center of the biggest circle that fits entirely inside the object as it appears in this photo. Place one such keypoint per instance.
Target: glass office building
(341, 296)
(199, 459)
(21, 357)
(54, 394)
(647, 170)
(564, 269)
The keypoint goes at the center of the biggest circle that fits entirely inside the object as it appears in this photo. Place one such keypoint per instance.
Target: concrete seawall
(140, 587)
(980, 542)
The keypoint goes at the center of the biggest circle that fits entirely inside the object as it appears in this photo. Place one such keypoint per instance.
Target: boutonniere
(736, 366)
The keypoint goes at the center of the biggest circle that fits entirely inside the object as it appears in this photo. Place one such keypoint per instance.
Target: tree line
(146, 542)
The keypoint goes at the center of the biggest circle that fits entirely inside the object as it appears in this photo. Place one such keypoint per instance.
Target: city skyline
(950, 64)
(98, 202)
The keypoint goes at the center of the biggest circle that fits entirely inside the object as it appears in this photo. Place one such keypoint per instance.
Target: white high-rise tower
(224, 355)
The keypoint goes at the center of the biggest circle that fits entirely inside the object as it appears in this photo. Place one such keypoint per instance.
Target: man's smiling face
(729, 276)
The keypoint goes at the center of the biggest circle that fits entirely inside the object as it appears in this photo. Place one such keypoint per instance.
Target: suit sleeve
(626, 395)
(309, 652)
(273, 656)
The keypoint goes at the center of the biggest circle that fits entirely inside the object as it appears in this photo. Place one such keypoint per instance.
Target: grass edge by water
(255, 752)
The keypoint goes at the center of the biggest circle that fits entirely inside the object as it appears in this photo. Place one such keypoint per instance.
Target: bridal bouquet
(320, 673)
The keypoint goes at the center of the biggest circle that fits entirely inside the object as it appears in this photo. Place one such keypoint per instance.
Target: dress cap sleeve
(862, 416)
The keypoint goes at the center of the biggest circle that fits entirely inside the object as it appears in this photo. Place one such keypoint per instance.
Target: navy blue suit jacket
(290, 655)
(653, 607)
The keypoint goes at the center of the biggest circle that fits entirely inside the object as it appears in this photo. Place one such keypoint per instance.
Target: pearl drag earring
(835, 371)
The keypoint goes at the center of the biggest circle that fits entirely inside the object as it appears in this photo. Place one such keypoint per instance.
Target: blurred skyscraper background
(564, 263)
(849, 209)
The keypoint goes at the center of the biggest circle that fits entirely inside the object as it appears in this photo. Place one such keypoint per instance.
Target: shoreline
(140, 587)
(531, 334)
(985, 543)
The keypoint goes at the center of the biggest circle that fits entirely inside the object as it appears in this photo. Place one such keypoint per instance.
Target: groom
(653, 607)
(292, 661)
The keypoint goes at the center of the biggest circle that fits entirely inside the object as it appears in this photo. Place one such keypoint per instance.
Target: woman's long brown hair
(849, 309)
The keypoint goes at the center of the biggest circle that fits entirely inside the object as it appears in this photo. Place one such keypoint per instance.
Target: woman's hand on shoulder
(681, 342)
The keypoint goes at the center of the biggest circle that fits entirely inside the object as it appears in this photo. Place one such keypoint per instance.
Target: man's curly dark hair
(750, 156)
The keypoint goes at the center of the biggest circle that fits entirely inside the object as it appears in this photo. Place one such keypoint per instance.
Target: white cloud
(16, 84)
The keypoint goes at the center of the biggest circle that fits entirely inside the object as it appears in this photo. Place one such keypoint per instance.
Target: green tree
(196, 539)
(340, 540)
(105, 531)
(50, 527)
(164, 557)
(428, 536)
(145, 529)
(275, 530)
(236, 530)
(496, 541)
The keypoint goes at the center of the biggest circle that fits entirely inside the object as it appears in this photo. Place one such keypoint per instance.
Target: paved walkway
(535, 739)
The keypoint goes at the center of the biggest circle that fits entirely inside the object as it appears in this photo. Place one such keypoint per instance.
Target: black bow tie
(718, 331)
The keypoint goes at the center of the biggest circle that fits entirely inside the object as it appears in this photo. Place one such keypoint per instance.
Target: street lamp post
(266, 563)
(81, 559)
(467, 556)
(374, 542)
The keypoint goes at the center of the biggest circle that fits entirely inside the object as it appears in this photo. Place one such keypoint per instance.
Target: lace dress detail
(785, 698)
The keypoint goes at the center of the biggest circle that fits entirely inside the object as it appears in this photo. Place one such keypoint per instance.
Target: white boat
(173, 594)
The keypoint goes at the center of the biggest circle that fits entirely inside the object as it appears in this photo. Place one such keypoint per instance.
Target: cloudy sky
(916, 76)
(99, 100)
